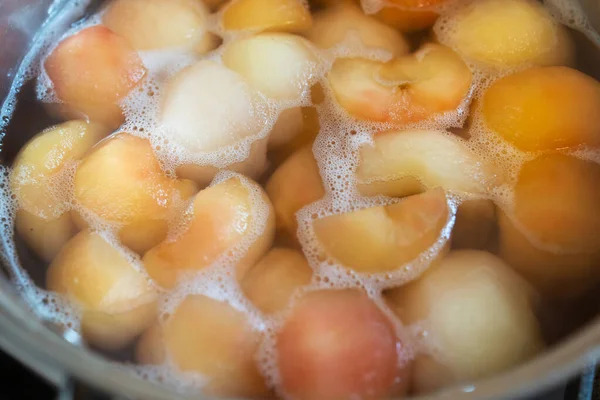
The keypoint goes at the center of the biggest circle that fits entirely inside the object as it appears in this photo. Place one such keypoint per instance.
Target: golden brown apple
(91, 72)
(550, 235)
(42, 219)
(406, 89)
(224, 216)
(384, 238)
(118, 302)
(121, 182)
(506, 33)
(272, 281)
(211, 338)
(478, 317)
(544, 108)
(332, 25)
(266, 15)
(337, 344)
(295, 184)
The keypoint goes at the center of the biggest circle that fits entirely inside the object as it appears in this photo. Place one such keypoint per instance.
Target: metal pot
(56, 356)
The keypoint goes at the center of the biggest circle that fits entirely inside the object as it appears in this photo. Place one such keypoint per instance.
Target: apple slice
(266, 15)
(406, 89)
(295, 184)
(509, 33)
(336, 344)
(382, 239)
(401, 163)
(211, 338)
(42, 220)
(544, 108)
(118, 301)
(280, 65)
(331, 27)
(91, 72)
(551, 237)
(478, 316)
(122, 182)
(158, 24)
(209, 108)
(224, 216)
(272, 281)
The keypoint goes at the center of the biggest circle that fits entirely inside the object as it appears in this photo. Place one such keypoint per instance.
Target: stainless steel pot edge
(29, 340)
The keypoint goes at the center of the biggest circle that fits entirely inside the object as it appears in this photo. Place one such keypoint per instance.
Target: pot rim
(25, 337)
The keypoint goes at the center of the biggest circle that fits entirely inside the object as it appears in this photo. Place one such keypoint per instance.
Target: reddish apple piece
(42, 220)
(158, 24)
(272, 281)
(544, 108)
(211, 338)
(506, 33)
(551, 237)
(384, 238)
(224, 215)
(122, 182)
(266, 15)
(91, 72)
(295, 184)
(406, 89)
(118, 302)
(477, 313)
(338, 345)
(332, 26)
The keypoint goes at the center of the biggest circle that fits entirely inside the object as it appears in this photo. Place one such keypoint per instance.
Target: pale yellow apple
(478, 316)
(118, 301)
(42, 219)
(121, 182)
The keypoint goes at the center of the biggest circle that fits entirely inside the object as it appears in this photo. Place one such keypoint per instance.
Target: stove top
(19, 383)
